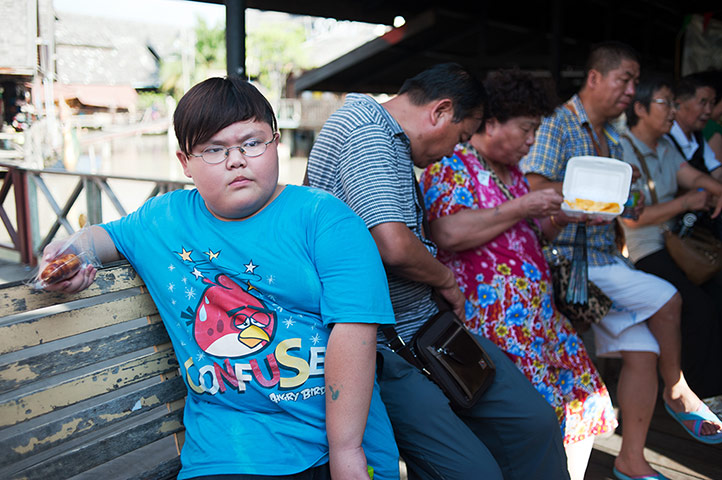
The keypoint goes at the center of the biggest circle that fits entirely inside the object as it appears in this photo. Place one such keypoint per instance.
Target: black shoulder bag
(445, 351)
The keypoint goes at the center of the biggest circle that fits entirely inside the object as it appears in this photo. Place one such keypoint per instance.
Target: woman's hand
(541, 203)
(694, 200)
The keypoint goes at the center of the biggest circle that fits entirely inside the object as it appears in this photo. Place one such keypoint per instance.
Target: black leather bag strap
(393, 339)
(697, 159)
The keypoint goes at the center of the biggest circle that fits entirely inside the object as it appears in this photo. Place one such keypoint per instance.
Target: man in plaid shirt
(642, 326)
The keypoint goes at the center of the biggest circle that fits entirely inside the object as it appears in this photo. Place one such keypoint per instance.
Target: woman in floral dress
(486, 240)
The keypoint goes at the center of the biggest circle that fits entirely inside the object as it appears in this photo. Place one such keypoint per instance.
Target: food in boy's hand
(593, 206)
(65, 266)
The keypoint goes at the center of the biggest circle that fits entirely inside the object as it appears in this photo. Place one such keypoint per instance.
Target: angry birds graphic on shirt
(235, 325)
(229, 321)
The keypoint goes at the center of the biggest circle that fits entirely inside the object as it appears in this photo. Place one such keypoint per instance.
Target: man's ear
(183, 159)
(593, 78)
(441, 110)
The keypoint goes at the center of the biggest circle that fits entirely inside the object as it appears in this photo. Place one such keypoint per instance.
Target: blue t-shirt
(248, 306)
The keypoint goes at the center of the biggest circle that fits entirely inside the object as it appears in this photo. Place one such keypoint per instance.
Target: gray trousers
(512, 433)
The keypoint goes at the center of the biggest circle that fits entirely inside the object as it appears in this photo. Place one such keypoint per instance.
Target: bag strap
(645, 169)
(393, 339)
(597, 147)
(505, 190)
(697, 159)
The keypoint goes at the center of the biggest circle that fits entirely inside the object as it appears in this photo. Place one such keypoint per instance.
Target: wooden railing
(25, 234)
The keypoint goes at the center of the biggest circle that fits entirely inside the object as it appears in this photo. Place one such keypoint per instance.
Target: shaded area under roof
(552, 37)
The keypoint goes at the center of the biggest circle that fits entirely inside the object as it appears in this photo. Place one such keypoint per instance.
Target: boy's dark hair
(214, 104)
(644, 93)
(606, 56)
(688, 85)
(447, 80)
(514, 93)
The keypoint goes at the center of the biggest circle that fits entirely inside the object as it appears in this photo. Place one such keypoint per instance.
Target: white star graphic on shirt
(171, 286)
(250, 267)
(200, 356)
(171, 267)
(184, 280)
(190, 293)
(289, 322)
(197, 273)
(315, 339)
(270, 279)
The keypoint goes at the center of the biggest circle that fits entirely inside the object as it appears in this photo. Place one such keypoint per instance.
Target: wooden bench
(89, 383)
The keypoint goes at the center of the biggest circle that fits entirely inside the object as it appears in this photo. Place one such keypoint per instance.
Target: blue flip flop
(622, 476)
(703, 413)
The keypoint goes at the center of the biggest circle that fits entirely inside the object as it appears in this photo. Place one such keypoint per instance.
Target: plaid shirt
(561, 137)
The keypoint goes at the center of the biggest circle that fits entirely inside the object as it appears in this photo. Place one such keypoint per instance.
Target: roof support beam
(236, 37)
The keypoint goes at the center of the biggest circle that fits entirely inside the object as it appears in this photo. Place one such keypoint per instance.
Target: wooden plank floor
(670, 450)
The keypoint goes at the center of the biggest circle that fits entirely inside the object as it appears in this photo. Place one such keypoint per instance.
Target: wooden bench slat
(89, 394)
(18, 298)
(114, 445)
(34, 331)
(87, 386)
(164, 471)
(135, 402)
(16, 374)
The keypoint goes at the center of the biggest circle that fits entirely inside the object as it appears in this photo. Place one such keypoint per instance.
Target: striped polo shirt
(363, 157)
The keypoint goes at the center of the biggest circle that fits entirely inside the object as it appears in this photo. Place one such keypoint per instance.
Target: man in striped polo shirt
(365, 155)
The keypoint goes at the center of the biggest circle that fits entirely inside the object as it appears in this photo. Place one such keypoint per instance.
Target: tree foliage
(273, 51)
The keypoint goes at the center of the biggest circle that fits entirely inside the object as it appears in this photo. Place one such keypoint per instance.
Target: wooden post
(93, 199)
(22, 212)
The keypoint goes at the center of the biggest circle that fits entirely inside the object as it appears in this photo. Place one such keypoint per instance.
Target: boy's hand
(76, 280)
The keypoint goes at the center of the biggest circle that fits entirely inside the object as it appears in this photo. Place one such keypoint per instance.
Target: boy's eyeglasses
(250, 148)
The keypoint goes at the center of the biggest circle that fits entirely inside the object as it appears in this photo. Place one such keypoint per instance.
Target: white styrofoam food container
(599, 179)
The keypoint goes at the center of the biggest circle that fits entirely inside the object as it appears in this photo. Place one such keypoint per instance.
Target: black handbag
(447, 353)
(444, 350)
(581, 315)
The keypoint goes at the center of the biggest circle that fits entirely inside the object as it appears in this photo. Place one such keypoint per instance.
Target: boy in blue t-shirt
(271, 295)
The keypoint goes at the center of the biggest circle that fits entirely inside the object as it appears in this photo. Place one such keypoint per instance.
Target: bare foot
(684, 400)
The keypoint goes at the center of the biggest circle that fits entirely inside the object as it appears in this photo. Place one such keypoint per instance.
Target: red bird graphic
(230, 322)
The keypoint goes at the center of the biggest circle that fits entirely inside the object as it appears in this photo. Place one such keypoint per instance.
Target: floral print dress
(507, 286)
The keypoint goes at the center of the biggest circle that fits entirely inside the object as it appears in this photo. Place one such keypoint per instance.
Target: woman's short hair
(214, 104)
(644, 93)
(515, 93)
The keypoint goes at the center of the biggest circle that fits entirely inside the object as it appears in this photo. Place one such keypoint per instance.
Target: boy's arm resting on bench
(105, 252)
(349, 369)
